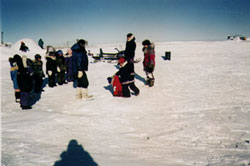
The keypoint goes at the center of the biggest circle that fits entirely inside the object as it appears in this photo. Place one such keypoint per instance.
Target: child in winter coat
(51, 68)
(149, 61)
(13, 74)
(126, 75)
(24, 80)
(61, 67)
(38, 73)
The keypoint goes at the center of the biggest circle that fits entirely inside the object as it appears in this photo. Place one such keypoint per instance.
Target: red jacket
(149, 58)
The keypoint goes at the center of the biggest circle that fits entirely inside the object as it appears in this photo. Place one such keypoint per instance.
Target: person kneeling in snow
(127, 75)
(80, 66)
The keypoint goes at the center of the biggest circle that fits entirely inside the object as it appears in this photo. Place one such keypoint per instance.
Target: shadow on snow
(75, 155)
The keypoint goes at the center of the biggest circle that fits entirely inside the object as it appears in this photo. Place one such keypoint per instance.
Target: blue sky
(108, 21)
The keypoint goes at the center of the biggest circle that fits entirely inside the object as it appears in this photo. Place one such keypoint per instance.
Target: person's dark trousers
(52, 80)
(134, 88)
(83, 81)
(126, 91)
(61, 78)
(38, 83)
(69, 75)
(25, 97)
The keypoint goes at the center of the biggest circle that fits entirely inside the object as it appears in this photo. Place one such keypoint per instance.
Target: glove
(109, 80)
(80, 74)
(49, 72)
(58, 69)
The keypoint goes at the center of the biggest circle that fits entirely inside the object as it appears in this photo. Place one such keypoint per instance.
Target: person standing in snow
(130, 48)
(51, 68)
(38, 73)
(80, 67)
(24, 79)
(40, 43)
(13, 74)
(23, 47)
(126, 75)
(149, 61)
(68, 62)
(61, 67)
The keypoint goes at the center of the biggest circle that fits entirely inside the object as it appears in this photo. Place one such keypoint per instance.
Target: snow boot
(18, 96)
(151, 82)
(79, 93)
(147, 81)
(85, 95)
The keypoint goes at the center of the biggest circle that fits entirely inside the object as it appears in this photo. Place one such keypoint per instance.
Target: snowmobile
(108, 57)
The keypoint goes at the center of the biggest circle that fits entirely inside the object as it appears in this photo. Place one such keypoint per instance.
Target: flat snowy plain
(198, 112)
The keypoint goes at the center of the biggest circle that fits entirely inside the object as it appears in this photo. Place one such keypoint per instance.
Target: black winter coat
(79, 59)
(50, 64)
(126, 74)
(24, 75)
(130, 50)
(38, 68)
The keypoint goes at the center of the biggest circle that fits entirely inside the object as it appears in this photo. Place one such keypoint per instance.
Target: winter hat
(129, 34)
(37, 56)
(18, 60)
(81, 42)
(146, 42)
(130, 37)
(59, 52)
(51, 53)
(29, 62)
(11, 60)
(121, 60)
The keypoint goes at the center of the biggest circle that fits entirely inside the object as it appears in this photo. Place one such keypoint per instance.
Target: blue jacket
(79, 59)
(13, 74)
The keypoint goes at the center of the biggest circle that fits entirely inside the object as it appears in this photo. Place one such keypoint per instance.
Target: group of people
(58, 67)
(27, 75)
(126, 71)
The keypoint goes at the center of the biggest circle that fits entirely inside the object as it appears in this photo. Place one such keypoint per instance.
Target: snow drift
(33, 46)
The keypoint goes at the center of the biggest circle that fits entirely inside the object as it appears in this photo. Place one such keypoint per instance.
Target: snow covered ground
(198, 112)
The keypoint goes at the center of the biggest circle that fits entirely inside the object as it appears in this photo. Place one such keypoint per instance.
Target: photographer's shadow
(75, 155)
